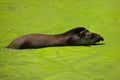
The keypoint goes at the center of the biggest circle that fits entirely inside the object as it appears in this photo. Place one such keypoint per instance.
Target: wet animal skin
(75, 36)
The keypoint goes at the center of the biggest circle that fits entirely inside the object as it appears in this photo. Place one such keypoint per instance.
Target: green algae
(96, 62)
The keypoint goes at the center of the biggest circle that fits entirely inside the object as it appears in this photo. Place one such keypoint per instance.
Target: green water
(100, 62)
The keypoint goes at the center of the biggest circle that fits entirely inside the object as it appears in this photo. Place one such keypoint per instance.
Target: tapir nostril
(102, 38)
(99, 38)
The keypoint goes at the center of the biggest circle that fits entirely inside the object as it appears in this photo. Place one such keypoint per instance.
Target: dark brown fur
(76, 36)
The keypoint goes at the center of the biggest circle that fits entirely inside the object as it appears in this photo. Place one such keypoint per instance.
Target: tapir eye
(89, 36)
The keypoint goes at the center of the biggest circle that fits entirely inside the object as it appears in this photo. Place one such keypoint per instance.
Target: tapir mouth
(99, 39)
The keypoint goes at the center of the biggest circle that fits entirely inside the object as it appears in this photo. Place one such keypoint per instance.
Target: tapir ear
(83, 32)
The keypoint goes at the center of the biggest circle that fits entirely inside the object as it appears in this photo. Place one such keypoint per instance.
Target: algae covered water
(96, 62)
